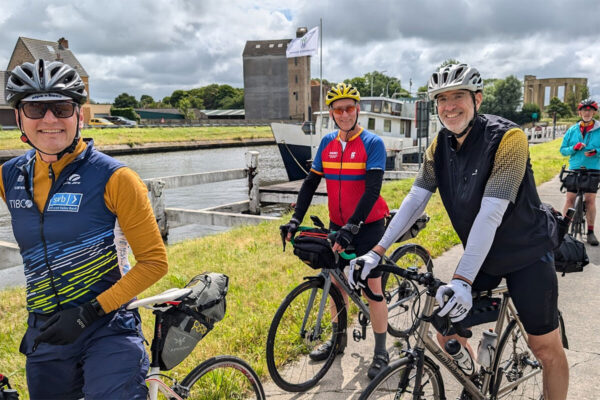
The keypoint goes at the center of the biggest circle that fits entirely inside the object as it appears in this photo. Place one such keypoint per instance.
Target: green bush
(127, 112)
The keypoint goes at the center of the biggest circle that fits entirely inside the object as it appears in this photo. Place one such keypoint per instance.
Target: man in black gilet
(480, 165)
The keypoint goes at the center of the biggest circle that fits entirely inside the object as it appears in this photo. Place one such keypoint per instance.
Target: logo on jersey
(73, 180)
(22, 203)
(352, 155)
(69, 202)
(21, 178)
(333, 154)
(474, 172)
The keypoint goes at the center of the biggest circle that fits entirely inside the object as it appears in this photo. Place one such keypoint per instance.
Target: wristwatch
(98, 308)
(352, 228)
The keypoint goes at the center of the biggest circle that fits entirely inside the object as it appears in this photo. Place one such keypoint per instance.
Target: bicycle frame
(425, 341)
(327, 282)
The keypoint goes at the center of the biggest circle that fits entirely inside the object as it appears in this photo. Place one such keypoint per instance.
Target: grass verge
(134, 136)
(260, 277)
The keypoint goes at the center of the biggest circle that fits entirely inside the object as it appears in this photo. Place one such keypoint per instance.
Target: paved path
(578, 301)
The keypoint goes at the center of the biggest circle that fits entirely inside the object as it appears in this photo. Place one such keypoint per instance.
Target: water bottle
(461, 356)
(487, 345)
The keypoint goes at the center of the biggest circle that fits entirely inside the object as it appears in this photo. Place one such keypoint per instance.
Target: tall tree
(146, 101)
(125, 100)
(558, 107)
(501, 97)
(449, 61)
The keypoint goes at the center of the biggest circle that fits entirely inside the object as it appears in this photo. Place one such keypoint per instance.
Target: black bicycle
(583, 181)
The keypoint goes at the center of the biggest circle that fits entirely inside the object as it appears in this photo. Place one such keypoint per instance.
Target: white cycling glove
(459, 303)
(371, 260)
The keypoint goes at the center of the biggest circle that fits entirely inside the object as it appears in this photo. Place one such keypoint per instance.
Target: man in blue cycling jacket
(582, 144)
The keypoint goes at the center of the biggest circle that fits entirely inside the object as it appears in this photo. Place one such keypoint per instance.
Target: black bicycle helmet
(44, 77)
(588, 103)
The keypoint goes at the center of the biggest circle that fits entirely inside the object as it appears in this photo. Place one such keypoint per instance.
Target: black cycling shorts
(367, 237)
(534, 292)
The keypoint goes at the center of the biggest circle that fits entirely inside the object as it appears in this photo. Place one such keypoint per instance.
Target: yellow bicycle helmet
(342, 91)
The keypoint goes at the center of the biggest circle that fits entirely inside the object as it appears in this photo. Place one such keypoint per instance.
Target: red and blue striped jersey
(345, 170)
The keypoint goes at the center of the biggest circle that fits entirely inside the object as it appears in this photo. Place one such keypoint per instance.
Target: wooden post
(253, 184)
(157, 200)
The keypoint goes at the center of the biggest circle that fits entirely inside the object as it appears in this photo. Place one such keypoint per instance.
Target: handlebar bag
(312, 247)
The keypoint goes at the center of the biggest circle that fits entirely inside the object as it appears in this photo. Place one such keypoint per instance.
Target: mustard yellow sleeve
(509, 168)
(2, 193)
(426, 176)
(127, 197)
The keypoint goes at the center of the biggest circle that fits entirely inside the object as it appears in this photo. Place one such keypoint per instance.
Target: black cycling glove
(65, 326)
(290, 227)
(344, 237)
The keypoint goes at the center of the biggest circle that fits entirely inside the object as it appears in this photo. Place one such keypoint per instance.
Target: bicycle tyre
(221, 378)
(578, 222)
(402, 295)
(386, 384)
(288, 347)
(515, 358)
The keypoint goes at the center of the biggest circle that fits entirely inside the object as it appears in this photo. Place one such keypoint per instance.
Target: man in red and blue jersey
(352, 160)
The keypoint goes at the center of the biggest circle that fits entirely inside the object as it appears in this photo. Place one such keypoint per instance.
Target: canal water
(271, 170)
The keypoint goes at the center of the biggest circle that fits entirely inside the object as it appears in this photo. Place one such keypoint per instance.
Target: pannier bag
(570, 256)
(312, 247)
(6, 392)
(185, 325)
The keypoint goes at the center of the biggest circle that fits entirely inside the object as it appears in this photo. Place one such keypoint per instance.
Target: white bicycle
(220, 377)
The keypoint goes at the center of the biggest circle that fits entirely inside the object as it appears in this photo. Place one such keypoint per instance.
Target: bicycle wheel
(392, 382)
(222, 378)
(514, 361)
(289, 341)
(402, 295)
(578, 222)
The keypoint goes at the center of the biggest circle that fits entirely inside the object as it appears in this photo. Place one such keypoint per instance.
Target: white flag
(307, 45)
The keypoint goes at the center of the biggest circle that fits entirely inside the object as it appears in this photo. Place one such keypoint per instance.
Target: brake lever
(283, 235)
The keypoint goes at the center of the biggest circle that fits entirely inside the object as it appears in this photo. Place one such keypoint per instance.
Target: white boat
(392, 119)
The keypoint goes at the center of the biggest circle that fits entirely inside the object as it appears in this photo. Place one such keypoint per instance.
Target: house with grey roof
(29, 50)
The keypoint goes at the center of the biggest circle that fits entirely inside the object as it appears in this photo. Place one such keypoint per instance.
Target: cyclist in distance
(582, 143)
(64, 199)
(352, 160)
(480, 165)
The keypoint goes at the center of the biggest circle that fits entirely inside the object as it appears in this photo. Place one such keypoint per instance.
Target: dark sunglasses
(340, 110)
(61, 109)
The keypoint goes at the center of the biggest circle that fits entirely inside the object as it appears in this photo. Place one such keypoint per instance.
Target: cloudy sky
(156, 46)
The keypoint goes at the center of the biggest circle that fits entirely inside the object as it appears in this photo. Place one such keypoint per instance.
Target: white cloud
(154, 47)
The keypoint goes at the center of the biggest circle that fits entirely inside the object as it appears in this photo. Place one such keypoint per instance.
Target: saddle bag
(185, 325)
(570, 256)
(312, 247)
(6, 392)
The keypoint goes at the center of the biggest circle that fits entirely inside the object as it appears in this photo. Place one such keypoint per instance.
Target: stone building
(535, 89)
(29, 50)
(275, 87)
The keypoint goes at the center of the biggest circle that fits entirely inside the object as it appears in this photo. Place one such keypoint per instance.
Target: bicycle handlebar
(432, 283)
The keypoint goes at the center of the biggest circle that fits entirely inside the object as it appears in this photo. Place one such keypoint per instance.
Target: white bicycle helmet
(454, 77)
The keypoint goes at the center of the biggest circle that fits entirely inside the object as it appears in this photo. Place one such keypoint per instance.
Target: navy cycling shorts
(534, 292)
(108, 361)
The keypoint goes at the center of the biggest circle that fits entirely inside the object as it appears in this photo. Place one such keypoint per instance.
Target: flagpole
(321, 77)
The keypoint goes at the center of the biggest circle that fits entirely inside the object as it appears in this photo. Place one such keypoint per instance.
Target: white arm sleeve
(411, 208)
(481, 236)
